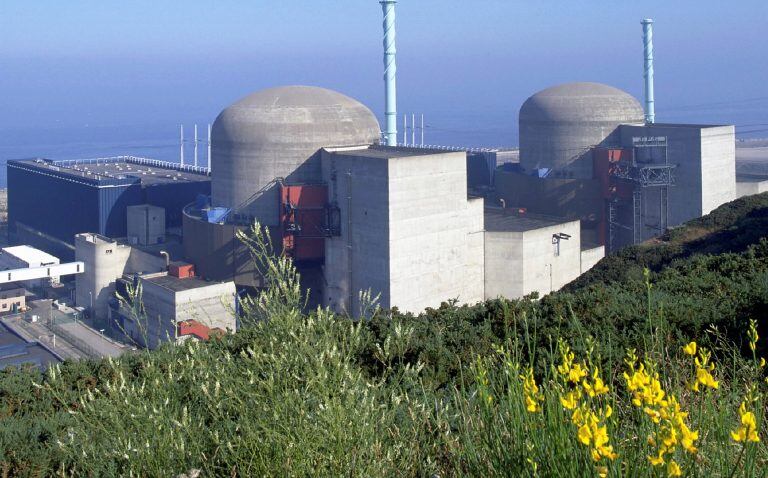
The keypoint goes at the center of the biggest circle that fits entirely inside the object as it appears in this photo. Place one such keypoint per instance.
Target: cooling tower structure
(560, 125)
(277, 133)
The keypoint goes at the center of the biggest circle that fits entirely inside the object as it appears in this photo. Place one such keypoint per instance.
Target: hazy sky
(90, 67)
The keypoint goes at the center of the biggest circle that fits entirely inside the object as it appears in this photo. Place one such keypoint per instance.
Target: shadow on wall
(567, 198)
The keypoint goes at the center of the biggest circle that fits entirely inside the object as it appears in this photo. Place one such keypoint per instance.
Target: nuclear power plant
(415, 226)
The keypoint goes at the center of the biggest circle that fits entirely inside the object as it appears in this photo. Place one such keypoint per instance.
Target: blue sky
(91, 68)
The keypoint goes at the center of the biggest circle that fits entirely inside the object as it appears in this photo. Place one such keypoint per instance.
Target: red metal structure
(605, 164)
(182, 270)
(303, 220)
(196, 329)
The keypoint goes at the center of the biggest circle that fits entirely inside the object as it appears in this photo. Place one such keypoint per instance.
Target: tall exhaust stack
(390, 72)
(650, 113)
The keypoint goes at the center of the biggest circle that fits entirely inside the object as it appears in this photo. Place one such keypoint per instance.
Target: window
(108, 251)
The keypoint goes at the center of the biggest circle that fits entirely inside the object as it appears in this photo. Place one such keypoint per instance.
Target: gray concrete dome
(278, 132)
(560, 124)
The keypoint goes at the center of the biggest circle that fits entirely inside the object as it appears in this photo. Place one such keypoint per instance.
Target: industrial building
(106, 260)
(357, 212)
(25, 257)
(356, 215)
(175, 305)
(49, 202)
(587, 153)
(12, 297)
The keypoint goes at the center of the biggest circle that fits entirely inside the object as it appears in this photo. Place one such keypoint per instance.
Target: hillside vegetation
(649, 365)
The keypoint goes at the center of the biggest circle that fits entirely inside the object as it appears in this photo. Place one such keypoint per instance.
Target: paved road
(74, 338)
(37, 332)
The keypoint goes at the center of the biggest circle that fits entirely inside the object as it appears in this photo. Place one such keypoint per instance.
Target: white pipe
(422, 130)
(209, 146)
(405, 130)
(181, 146)
(195, 144)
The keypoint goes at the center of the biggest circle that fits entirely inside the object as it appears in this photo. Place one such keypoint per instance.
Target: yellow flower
(762, 362)
(688, 437)
(657, 460)
(673, 469)
(585, 435)
(705, 378)
(531, 391)
(576, 373)
(597, 387)
(531, 405)
(602, 471)
(752, 334)
(571, 399)
(748, 429)
(690, 349)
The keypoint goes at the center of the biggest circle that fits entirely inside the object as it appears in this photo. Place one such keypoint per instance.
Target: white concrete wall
(105, 261)
(718, 171)
(359, 187)
(544, 270)
(159, 324)
(590, 257)
(519, 263)
(415, 237)
(748, 188)
(435, 233)
(504, 265)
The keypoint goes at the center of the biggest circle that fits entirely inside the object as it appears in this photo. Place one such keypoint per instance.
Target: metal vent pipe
(650, 113)
(390, 72)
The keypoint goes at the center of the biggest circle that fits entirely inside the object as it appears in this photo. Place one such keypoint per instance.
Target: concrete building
(25, 257)
(586, 153)
(12, 297)
(417, 246)
(107, 260)
(354, 215)
(146, 224)
(176, 308)
(749, 184)
(702, 158)
(545, 253)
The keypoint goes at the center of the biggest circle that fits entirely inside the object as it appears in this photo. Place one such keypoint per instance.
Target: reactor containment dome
(560, 124)
(277, 133)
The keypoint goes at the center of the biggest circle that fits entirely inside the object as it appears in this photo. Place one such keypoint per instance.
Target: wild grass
(290, 396)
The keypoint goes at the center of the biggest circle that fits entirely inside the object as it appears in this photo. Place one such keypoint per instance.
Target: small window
(108, 251)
